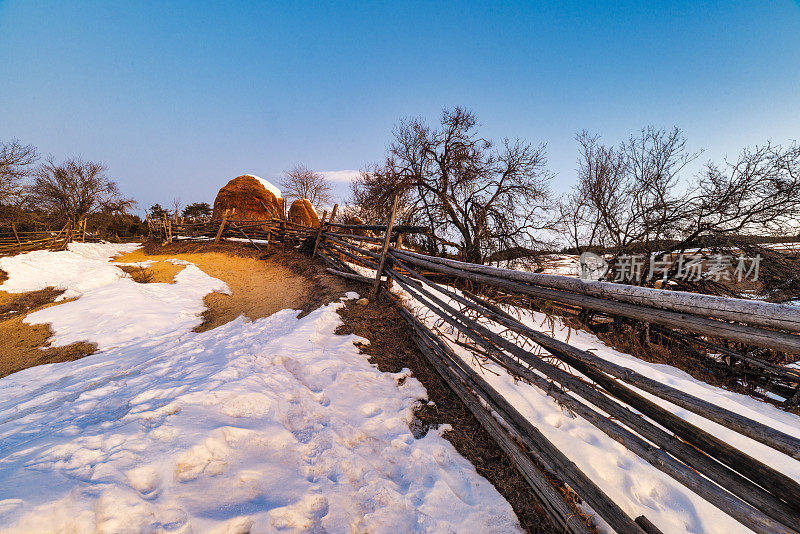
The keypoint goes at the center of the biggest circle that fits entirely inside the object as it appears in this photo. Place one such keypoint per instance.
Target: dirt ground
(259, 287)
(22, 344)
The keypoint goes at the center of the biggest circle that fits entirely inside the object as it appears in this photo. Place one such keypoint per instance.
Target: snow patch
(82, 267)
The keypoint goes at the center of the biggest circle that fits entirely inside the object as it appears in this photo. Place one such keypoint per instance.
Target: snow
(634, 484)
(113, 309)
(267, 185)
(560, 264)
(273, 425)
(83, 267)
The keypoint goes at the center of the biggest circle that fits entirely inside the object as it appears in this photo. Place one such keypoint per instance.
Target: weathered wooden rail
(14, 241)
(603, 393)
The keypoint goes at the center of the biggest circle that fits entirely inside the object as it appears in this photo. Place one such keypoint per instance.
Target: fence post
(55, 239)
(67, 235)
(14, 229)
(319, 232)
(384, 250)
(221, 227)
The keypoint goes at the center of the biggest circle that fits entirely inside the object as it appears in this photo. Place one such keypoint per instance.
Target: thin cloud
(345, 176)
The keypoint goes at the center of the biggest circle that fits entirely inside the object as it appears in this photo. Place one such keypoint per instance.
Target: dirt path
(258, 287)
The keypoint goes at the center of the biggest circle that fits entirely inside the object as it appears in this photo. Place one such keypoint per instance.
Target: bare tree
(301, 182)
(176, 207)
(760, 192)
(632, 199)
(15, 164)
(573, 221)
(629, 194)
(478, 198)
(75, 189)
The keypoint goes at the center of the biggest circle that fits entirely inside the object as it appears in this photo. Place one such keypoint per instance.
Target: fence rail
(13, 241)
(603, 393)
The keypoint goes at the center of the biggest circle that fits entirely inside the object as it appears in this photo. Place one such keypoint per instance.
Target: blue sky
(179, 97)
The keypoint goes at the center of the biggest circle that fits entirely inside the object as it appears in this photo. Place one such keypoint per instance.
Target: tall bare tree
(630, 192)
(16, 160)
(478, 198)
(75, 189)
(301, 182)
(176, 207)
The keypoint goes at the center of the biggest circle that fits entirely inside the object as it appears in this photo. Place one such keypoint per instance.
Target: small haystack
(249, 198)
(303, 212)
(355, 219)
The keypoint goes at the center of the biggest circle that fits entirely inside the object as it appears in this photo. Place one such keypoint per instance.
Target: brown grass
(260, 284)
(162, 272)
(25, 345)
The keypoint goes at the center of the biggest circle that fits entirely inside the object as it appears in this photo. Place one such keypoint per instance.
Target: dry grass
(260, 284)
(161, 272)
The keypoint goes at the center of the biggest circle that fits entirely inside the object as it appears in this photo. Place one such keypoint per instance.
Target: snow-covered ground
(266, 426)
(561, 264)
(113, 309)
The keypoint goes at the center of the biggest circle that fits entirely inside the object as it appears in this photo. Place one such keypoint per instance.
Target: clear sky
(178, 97)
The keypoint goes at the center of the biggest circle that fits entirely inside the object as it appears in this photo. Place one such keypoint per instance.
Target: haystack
(249, 198)
(303, 212)
(355, 219)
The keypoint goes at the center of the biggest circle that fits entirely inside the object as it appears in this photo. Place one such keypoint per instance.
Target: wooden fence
(603, 393)
(13, 241)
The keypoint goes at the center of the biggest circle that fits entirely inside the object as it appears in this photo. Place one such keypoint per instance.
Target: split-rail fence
(14, 241)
